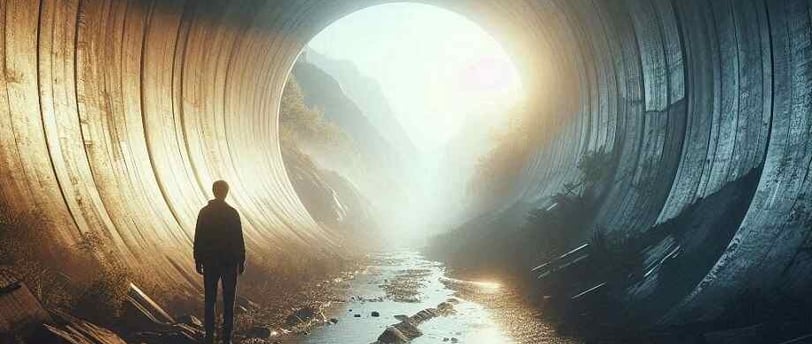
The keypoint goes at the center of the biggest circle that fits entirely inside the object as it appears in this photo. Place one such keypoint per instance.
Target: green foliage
(555, 228)
(299, 123)
(595, 166)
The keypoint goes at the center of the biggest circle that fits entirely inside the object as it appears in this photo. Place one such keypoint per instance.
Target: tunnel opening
(116, 117)
(403, 97)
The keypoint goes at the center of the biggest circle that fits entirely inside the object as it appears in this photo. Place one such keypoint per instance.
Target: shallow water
(472, 323)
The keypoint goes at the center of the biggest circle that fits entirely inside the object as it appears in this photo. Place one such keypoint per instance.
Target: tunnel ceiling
(117, 116)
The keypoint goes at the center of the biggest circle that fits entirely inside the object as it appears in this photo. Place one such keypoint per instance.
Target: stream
(405, 283)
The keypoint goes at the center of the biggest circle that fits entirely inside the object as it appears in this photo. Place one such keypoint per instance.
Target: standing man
(219, 256)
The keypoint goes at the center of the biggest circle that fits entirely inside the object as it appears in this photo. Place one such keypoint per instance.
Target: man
(219, 251)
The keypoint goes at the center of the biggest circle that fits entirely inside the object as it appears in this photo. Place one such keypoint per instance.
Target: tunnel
(118, 115)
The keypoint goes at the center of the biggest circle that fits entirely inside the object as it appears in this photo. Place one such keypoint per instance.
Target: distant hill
(323, 92)
(366, 93)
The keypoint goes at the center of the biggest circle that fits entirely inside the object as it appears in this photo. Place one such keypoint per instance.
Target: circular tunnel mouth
(390, 97)
(117, 116)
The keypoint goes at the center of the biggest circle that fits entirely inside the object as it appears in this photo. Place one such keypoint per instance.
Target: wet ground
(403, 284)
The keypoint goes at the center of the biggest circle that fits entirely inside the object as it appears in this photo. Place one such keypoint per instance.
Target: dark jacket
(218, 235)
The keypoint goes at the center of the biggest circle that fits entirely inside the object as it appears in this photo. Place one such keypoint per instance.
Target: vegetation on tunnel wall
(498, 170)
(301, 125)
(309, 143)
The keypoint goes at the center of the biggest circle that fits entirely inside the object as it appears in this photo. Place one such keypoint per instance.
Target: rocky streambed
(403, 297)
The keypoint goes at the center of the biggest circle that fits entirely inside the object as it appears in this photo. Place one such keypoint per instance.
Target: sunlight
(446, 85)
(488, 286)
(436, 67)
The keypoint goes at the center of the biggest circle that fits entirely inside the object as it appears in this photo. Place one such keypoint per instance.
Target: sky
(447, 81)
(436, 67)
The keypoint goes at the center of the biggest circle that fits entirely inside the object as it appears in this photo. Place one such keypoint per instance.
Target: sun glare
(437, 68)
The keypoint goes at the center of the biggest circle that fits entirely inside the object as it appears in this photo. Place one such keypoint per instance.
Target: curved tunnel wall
(117, 115)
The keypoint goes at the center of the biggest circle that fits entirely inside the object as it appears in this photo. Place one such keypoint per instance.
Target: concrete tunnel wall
(117, 115)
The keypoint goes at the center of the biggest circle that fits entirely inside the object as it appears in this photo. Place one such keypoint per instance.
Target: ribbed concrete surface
(117, 115)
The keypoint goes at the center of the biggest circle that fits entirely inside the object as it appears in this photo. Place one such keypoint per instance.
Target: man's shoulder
(231, 210)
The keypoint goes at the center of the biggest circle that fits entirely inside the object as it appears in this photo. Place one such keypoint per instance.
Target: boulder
(408, 329)
(246, 304)
(302, 315)
(260, 332)
(392, 335)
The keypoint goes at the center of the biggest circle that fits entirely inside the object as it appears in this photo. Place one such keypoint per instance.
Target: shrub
(595, 166)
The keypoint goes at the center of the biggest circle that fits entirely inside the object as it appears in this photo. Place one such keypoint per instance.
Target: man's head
(220, 189)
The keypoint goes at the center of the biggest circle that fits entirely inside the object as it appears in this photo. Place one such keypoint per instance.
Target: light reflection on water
(471, 324)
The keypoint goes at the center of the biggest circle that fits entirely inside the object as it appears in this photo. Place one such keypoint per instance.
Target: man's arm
(199, 228)
(240, 241)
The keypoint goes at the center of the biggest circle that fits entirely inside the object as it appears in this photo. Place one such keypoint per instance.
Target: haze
(448, 83)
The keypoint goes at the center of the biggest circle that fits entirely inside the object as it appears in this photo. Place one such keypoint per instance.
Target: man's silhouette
(219, 255)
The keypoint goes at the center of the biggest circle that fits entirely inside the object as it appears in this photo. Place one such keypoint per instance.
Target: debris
(66, 329)
(191, 320)
(261, 332)
(21, 312)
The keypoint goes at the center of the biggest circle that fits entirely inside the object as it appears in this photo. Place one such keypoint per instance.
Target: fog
(449, 85)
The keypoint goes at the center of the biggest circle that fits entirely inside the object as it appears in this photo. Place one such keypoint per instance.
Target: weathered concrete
(114, 109)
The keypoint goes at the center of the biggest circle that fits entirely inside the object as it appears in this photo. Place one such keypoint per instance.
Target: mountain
(323, 92)
(367, 94)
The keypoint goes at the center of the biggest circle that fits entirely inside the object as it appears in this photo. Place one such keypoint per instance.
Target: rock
(445, 309)
(302, 315)
(191, 320)
(333, 321)
(408, 329)
(376, 314)
(258, 332)
(454, 340)
(392, 335)
(246, 304)
(357, 315)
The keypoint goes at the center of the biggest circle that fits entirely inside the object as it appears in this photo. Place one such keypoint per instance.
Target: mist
(448, 86)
